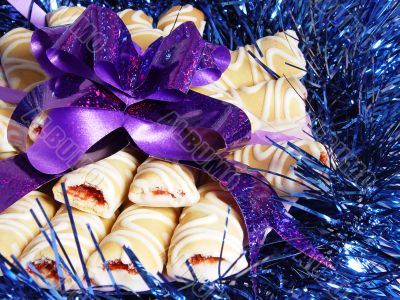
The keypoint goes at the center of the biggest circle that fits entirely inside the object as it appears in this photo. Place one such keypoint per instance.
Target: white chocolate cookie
(276, 160)
(40, 253)
(5, 115)
(101, 187)
(177, 15)
(20, 66)
(199, 235)
(164, 184)
(280, 53)
(147, 232)
(274, 105)
(17, 225)
(64, 15)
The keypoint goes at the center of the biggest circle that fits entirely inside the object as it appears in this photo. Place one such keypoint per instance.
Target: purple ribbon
(300, 131)
(38, 15)
(10, 95)
(104, 94)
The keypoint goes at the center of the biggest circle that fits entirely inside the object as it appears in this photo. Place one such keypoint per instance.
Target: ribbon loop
(61, 144)
(98, 46)
(186, 130)
(60, 92)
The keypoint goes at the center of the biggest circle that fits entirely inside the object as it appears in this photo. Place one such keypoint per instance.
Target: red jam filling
(37, 130)
(199, 259)
(160, 192)
(46, 267)
(117, 264)
(86, 192)
(323, 157)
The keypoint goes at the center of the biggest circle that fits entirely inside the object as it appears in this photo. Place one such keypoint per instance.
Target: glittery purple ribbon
(104, 88)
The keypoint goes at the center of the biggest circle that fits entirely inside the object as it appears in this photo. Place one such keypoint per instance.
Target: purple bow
(105, 93)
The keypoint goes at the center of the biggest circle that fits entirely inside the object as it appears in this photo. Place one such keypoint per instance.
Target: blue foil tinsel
(352, 49)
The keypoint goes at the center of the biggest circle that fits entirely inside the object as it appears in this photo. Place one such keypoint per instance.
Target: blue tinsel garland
(353, 52)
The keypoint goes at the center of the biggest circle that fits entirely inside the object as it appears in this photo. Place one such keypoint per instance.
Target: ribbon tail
(17, 178)
(259, 206)
(288, 230)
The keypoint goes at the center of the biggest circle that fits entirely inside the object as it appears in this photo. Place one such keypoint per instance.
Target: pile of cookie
(168, 214)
